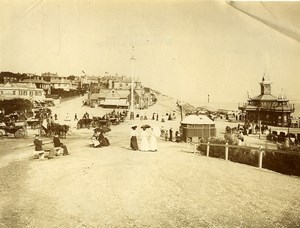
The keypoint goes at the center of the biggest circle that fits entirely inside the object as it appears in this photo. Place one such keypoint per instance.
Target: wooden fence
(260, 150)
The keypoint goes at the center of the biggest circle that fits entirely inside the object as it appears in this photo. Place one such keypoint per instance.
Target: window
(20, 92)
(30, 93)
(14, 92)
(1, 92)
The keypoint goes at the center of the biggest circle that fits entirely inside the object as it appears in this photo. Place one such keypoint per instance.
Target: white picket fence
(260, 150)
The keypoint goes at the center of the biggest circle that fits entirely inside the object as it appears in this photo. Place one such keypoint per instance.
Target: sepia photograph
(149, 113)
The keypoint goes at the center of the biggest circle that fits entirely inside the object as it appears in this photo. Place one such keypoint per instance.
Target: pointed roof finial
(266, 77)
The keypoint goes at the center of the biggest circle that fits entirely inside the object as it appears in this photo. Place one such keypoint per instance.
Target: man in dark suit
(57, 143)
(38, 143)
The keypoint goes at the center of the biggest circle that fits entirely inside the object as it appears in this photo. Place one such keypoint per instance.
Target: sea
(232, 106)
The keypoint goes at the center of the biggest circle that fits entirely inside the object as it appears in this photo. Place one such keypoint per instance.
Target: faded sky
(185, 49)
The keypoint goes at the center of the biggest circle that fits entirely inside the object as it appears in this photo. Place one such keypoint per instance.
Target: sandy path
(118, 187)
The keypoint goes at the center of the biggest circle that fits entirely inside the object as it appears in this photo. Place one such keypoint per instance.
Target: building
(110, 99)
(61, 83)
(267, 108)
(116, 94)
(21, 90)
(39, 83)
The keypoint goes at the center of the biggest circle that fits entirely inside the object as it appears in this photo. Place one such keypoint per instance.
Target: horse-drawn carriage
(33, 123)
(54, 129)
(95, 122)
(13, 124)
(281, 137)
(17, 131)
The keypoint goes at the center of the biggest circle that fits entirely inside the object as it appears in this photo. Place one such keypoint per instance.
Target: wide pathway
(118, 187)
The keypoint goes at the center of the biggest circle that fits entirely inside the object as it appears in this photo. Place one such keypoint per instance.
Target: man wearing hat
(38, 143)
(57, 144)
(133, 138)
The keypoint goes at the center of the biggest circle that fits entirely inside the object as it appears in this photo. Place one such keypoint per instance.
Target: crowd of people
(253, 128)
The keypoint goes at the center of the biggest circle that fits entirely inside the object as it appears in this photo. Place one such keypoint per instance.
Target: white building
(61, 83)
(20, 90)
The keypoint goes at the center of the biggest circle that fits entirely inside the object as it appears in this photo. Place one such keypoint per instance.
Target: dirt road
(117, 187)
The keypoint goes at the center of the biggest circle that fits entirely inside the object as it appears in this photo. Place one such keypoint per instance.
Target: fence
(260, 150)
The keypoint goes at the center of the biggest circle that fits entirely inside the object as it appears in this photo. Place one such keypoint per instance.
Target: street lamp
(132, 59)
(259, 122)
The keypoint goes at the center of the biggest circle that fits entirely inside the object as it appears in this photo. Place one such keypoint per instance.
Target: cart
(17, 131)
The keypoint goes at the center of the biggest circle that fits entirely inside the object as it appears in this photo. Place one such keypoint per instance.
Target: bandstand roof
(265, 97)
(197, 119)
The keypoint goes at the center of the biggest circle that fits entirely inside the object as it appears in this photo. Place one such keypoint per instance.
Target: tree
(13, 105)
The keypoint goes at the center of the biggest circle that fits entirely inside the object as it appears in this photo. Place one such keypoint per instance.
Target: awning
(114, 102)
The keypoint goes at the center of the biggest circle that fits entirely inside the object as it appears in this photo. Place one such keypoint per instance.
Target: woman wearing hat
(133, 138)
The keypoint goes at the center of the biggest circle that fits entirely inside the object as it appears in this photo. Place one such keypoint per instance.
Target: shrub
(282, 163)
(214, 151)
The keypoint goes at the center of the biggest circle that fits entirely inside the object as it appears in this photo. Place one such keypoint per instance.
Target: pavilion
(267, 108)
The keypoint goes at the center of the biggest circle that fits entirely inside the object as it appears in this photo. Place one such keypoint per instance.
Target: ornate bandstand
(268, 109)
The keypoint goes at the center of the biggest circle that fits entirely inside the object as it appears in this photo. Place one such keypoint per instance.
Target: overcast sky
(185, 49)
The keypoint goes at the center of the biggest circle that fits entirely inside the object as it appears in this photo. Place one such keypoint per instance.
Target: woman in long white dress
(153, 141)
(144, 141)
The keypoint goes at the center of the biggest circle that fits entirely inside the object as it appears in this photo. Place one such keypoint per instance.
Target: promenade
(117, 187)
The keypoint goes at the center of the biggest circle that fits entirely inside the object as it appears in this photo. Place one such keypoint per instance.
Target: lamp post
(259, 122)
(132, 59)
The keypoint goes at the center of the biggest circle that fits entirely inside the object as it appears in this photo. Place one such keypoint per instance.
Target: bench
(46, 152)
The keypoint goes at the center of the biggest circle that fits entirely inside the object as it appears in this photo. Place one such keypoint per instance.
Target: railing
(260, 150)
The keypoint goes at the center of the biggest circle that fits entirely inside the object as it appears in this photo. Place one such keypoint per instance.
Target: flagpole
(132, 59)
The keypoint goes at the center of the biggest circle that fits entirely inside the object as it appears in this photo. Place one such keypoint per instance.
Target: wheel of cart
(20, 133)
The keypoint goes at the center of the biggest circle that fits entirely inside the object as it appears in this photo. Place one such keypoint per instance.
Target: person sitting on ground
(57, 143)
(95, 140)
(103, 140)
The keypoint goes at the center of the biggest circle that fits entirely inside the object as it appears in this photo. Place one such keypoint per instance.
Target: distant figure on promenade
(177, 136)
(162, 118)
(133, 138)
(144, 141)
(75, 117)
(166, 135)
(67, 117)
(55, 116)
(153, 116)
(171, 135)
(153, 141)
(57, 143)
(156, 116)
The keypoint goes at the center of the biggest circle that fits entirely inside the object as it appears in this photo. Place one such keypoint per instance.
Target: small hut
(197, 126)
